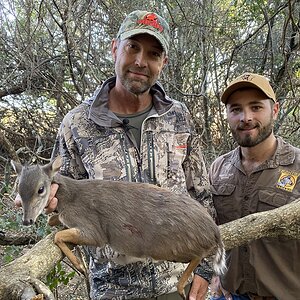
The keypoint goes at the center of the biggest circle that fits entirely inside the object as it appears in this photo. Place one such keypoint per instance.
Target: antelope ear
(56, 164)
(53, 167)
(16, 166)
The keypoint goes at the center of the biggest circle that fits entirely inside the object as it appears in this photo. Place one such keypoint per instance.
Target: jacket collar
(100, 113)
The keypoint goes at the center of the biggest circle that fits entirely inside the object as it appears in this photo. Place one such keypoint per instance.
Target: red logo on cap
(151, 20)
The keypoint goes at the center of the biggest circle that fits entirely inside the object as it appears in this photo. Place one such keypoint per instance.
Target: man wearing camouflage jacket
(131, 130)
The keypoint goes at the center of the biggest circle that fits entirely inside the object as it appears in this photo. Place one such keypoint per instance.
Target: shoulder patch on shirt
(287, 180)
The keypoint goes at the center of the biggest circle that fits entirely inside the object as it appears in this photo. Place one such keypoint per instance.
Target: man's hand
(52, 201)
(217, 290)
(198, 289)
(18, 201)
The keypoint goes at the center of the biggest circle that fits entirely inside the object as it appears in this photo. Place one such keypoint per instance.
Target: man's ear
(114, 47)
(275, 110)
(165, 61)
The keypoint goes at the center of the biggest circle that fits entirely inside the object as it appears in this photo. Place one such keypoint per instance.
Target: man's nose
(141, 59)
(246, 116)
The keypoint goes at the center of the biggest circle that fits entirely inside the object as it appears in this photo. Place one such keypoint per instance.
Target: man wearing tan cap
(262, 173)
(131, 130)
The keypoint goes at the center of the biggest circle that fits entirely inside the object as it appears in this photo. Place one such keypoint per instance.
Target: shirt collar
(284, 155)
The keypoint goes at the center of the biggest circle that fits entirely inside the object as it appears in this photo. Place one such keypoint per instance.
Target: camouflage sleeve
(66, 147)
(197, 177)
(205, 270)
(198, 187)
(195, 171)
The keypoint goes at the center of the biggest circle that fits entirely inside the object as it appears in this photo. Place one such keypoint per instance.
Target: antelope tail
(219, 261)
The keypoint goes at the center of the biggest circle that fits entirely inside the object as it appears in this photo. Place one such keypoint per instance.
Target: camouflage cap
(139, 21)
(249, 80)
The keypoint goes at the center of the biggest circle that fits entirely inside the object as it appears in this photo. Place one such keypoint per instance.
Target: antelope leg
(74, 236)
(54, 220)
(185, 276)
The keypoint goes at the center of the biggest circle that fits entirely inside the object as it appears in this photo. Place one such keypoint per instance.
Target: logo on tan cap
(249, 80)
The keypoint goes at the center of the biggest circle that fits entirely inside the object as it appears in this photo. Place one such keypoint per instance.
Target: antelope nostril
(27, 222)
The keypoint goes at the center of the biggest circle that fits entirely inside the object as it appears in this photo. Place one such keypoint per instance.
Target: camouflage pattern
(94, 143)
(138, 22)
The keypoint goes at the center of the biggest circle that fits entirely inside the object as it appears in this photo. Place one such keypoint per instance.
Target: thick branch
(282, 221)
(15, 90)
(37, 262)
(17, 239)
(8, 146)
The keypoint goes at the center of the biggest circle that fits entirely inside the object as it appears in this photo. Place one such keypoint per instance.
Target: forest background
(55, 53)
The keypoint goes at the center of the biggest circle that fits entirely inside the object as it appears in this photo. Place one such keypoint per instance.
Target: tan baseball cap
(249, 80)
(139, 21)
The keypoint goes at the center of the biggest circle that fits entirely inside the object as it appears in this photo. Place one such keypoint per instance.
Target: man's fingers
(18, 201)
(198, 289)
(52, 202)
(53, 190)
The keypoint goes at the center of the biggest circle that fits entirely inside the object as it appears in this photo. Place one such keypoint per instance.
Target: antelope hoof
(182, 293)
(81, 268)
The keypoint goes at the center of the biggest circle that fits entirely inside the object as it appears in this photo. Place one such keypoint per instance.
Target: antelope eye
(41, 190)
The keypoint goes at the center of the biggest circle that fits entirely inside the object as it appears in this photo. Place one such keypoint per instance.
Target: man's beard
(248, 140)
(136, 86)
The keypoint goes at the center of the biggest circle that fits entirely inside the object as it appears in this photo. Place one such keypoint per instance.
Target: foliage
(55, 54)
(11, 252)
(58, 276)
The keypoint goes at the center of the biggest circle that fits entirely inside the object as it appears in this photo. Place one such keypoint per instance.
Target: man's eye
(256, 108)
(132, 46)
(156, 54)
(235, 110)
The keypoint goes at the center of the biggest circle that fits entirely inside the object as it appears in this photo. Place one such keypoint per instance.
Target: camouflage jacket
(94, 143)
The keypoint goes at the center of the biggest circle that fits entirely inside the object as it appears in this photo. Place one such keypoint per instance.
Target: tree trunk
(37, 262)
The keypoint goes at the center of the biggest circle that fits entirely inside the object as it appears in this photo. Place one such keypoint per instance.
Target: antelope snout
(28, 222)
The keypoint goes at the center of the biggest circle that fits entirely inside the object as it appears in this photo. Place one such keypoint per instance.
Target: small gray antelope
(138, 220)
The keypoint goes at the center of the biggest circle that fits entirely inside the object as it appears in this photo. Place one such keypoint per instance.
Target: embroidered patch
(247, 77)
(287, 180)
(151, 20)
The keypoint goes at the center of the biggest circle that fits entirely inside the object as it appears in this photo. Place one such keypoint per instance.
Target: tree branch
(282, 221)
(27, 269)
(8, 146)
(17, 239)
(14, 90)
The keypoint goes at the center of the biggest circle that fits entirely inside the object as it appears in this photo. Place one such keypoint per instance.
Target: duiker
(136, 219)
